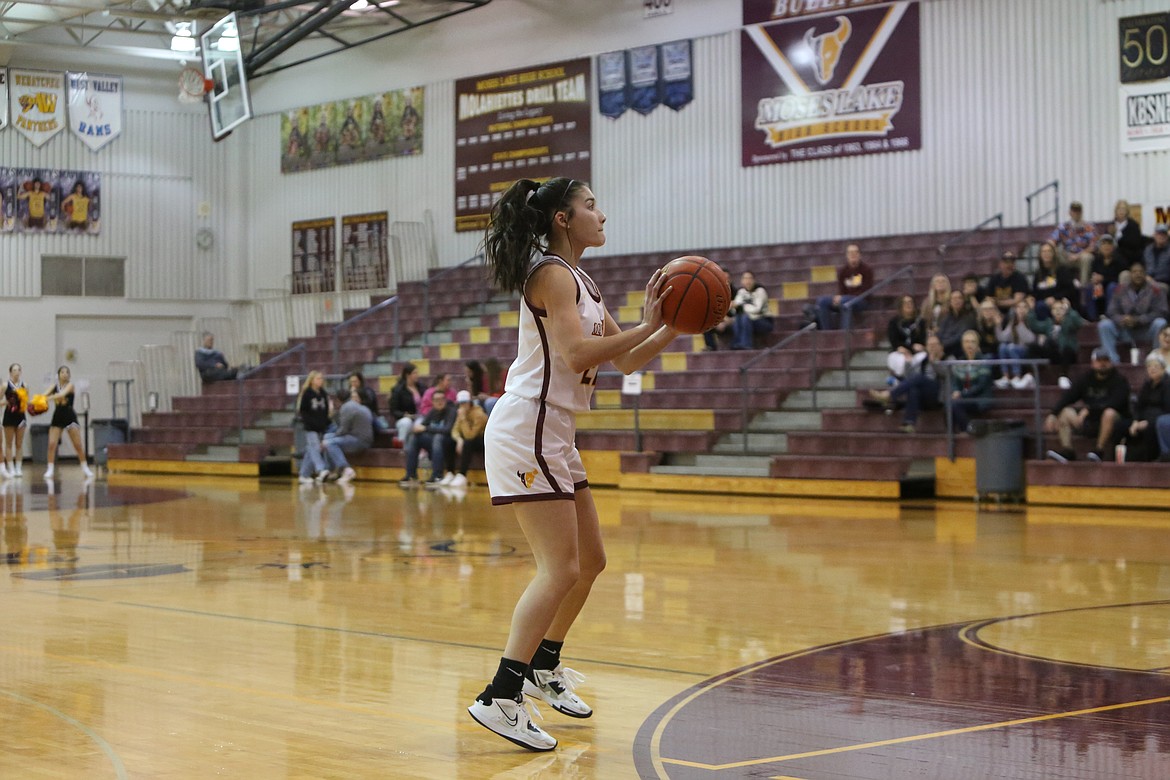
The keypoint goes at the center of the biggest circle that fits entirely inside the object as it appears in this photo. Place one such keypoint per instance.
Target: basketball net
(192, 85)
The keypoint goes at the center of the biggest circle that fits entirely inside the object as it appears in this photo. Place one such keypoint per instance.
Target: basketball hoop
(193, 86)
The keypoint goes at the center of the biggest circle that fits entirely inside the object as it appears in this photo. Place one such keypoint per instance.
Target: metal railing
(961, 237)
(637, 409)
(488, 291)
(391, 301)
(903, 271)
(745, 367)
(948, 401)
(1053, 185)
(272, 361)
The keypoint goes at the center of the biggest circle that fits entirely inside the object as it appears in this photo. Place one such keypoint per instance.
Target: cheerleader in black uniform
(15, 405)
(64, 419)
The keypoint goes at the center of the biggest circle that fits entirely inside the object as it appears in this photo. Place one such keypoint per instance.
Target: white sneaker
(1064, 383)
(49, 473)
(4, 473)
(510, 719)
(1002, 383)
(306, 480)
(1025, 382)
(555, 686)
(347, 475)
(17, 472)
(459, 481)
(447, 479)
(321, 475)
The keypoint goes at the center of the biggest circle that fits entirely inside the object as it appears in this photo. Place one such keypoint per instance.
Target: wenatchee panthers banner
(834, 85)
(37, 103)
(95, 108)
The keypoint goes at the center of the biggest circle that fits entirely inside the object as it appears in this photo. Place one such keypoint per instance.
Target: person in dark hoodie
(1105, 397)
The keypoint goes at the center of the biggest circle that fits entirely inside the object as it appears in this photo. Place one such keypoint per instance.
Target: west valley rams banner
(37, 103)
(832, 86)
(3, 98)
(95, 108)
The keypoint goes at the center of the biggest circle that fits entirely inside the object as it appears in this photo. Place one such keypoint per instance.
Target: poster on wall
(37, 104)
(365, 257)
(3, 98)
(50, 201)
(524, 124)
(1145, 82)
(389, 124)
(95, 107)
(314, 264)
(832, 86)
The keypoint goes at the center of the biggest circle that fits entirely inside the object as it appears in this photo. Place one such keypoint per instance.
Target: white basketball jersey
(539, 371)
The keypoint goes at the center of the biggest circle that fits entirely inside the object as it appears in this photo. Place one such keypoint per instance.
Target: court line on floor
(107, 748)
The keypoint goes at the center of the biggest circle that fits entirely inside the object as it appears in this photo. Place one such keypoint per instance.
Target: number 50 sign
(1145, 47)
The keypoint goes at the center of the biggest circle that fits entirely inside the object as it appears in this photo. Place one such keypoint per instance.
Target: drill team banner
(832, 86)
(95, 108)
(37, 103)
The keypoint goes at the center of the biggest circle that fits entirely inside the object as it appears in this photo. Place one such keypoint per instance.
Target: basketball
(700, 294)
(39, 404)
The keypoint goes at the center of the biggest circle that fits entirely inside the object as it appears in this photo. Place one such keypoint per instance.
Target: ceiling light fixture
(359, 5)
(184, 37)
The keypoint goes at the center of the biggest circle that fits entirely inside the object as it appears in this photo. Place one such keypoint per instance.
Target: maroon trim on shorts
(538, 444)
(581, 485)
(501, 500)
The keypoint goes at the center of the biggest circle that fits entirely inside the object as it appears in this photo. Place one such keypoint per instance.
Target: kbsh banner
(365, 259)
(832, 86)
(644, 78)
(314, 260)
(389, 124)
(50, 201)
(763, 11)
(95, 108)
(3, 98)
(1145, 117)
(37, 104)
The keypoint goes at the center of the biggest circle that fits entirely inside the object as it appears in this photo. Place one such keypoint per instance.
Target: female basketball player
(15, 405)
(64, 419)
(532, 463)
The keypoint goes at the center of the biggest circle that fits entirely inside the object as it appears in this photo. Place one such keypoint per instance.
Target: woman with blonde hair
(935, 305)
(1127, 234)
(313, 412)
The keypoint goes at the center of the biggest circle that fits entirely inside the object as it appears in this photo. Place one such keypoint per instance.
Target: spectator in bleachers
(1137, 310)
(937, 301)
(473, 374)
(211, 363)
(1162, 347)
(907, 334)
(404, 401)
(1015, 339)
(354, 433)
(495, 375)
(970, 384)
(920, 390)
(431, 432)
(467, 435)
(1106, 273)
(854, 278)
(368, 397)
(313, 410)
(1157, 256)
(1127, 234)
(711, 337)
(1152, 402)
(750, 309)
(1056, 338)
(972, 290)
(441, 383)
(1076, 239)
(1051, 282)
(1007, 286)
(988, 324)
(958, 319)
(1104, 393)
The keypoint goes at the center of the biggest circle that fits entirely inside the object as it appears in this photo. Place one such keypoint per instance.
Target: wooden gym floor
(184, 627)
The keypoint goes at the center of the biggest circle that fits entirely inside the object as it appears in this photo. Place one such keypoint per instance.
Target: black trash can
(105, 433)
(38, 436)
(999, 457)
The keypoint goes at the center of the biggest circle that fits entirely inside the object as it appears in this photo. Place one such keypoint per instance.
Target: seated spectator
(1127, 235)
(1156, 257)
(958, 319)
(313, 409)
(1007, 286)
(1056, 339)
(853, 279)
(722, 328)
(441, 383)
(1105, 395)
(937, 302)
(354, 433)
(1138, 310)
(988, 324)
(431, 433)
(1015, 339)
(750, 311)
(1163, 345)
(907, 334)
(404, 401)
(921, 389)
(467, 434)
(1076, 239)
(973, 291)
(368, 397)
(1051, 282)
(1105, 274)
(970, 384)
(211, 363)
(1153, 402)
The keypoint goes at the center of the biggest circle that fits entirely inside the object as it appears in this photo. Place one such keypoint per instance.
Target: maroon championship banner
(764, 11)
(314, 264)
(832, 86)
(365, 259)
(525, 124)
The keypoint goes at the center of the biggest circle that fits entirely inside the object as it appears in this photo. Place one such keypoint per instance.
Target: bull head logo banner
(826, 48)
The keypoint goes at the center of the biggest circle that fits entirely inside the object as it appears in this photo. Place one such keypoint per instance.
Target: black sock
(547, 656)
(507, 683)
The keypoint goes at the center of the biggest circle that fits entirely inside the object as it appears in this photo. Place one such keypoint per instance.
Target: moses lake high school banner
(837, 85)
(761, 11)
(524, 124)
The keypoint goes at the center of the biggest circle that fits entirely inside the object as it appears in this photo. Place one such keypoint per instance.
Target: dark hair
(519, 226)
(476, 381)
(407, 370)
(971, 278)
(494, 371)
(361, 379)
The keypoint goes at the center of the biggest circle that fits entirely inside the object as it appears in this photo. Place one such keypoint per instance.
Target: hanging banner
(34, 200)
(389, 124)
(37, 104)
(365, 259)
(611, 84)
(763, 11)
(678, 87)
(643, 64)
(838, 86)
(524, 124)
(314, 264)
(645, 78)
(95, 107)
(3, 98)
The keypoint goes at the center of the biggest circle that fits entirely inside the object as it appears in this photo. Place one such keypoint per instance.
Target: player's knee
(592, 567)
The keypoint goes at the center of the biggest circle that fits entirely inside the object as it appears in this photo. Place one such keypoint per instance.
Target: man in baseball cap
(1093, 407)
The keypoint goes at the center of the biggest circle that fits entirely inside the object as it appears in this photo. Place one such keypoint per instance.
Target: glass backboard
(223, 64)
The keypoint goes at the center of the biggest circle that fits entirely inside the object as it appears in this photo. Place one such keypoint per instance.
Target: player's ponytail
(519, 226)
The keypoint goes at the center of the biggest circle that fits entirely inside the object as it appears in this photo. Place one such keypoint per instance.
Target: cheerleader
(64, 419)
(15, 406)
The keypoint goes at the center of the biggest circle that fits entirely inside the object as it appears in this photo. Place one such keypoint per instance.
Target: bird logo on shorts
(526, 477)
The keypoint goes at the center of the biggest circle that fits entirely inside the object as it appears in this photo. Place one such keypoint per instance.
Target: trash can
(105, 433)
(999, 457)
(39, 440)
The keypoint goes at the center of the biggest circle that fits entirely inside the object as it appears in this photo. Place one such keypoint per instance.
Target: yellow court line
(918, 737)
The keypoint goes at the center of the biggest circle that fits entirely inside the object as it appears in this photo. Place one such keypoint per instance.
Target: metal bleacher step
(716, 465)
(779, 422)
(870, 358)
(216, 453)
(826, 399)
(757, 444)
(867, 377)
(251, 436)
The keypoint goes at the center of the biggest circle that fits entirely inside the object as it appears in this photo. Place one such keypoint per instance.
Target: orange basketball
(700, 294)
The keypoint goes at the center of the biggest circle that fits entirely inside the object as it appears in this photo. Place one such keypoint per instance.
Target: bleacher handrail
(391, 301)
(1053, 185)
(948, 400)
(428, 322)
(961, 237)
(747, 365)
(907, 270)
(301, 348)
